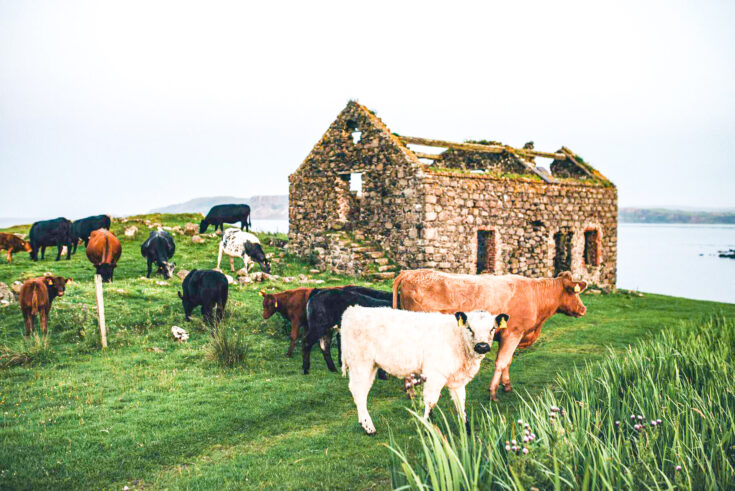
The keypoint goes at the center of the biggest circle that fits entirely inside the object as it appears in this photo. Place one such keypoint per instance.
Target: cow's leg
(150, 268)
(432, 391)
(295, 325)
(458, 397)
(361, 380)
(502, 362)
(10, 256)
(306, 345)
(220, 311)
(75, 244)
(207, 313)
(325, 344)
(68, 250)
(44, 321)
(29, 319)
(219, 255)
(59, 246)
(232, 263)
(43, 252)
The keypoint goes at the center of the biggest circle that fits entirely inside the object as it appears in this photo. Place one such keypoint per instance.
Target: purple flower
(532, 436)
(677, 468)
(637, 427)
(653, 422)
(632, 416)
(525, 439)
(617, 423)
(525, 451)
(640, 418)
(507, 448)
(513, 442)
(658, 421)
(520, 421)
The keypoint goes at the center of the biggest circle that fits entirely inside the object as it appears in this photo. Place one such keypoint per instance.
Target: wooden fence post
(100, 309)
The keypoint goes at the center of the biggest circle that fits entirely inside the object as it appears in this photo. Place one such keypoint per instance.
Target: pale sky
(120, 107)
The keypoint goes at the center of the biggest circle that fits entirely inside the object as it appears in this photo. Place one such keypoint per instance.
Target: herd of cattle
(433, 328)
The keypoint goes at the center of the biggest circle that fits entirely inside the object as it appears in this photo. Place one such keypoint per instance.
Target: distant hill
(660, 215)
(262, 207)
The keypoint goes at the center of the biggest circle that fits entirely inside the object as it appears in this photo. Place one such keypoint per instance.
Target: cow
(13, 244)
(158, 248)
(529, 303)
(207, 288)
(444, 349)
(103, 251)
(221, 214)
(82, 228)
(35, 298)
(291, 304)
(56, 232)
(324, 311)
(236, 243)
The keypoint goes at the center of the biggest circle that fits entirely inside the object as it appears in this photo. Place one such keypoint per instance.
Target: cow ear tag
(275, 304)
(503, 323)
(577, 289)
(50, 282)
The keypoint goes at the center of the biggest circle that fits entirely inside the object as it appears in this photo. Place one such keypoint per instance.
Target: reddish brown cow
(291, 305)
(36, 296)
(104, 250)
(528, 302)
(13, 244)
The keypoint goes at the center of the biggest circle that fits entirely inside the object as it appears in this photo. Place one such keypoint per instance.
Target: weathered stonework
(423, 216)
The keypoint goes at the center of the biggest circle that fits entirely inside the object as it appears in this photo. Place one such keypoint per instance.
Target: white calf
(446, 349)
(234, 244)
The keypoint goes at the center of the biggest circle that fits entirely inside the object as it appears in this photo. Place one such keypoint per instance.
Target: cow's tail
(106, 252)
(34, 299)
(396, 284)
(250, 224)
(344, 362)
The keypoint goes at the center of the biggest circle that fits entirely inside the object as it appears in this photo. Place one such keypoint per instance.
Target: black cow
(206, 288)
(158, 248)
(81, 228)
(221, 214)
(324, 311)
(56, 232)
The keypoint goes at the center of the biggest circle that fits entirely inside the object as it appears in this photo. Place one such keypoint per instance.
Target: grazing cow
(445, 350)
(206, 288)
(104, 250)
(528, 302)
(236, 243)
(13, 244)
(291, 304)
(324, 311)
(221, 214)
(82, 228)
(36, 296)
(159, 247)
(56, 232)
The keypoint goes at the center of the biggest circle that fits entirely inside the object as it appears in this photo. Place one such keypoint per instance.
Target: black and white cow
(81, 228)
(206, 288)
(221, 214)
(158, 248)
(56, 232)
(236, 243)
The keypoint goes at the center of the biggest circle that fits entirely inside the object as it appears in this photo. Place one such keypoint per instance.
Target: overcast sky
(120, 107)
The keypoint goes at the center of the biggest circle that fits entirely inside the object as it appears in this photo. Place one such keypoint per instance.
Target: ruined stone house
(366, 201)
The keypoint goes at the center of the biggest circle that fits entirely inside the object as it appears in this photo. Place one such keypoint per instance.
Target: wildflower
(653, 422)
(640, 418)
(507, 448)
(632, 416)
(658, 421)
(637, 427)
(677, 468)
(513, 442)
(527, 432)
(525, 439)
(617, 423)
(525, 451)
(520, 421)
(532, 436)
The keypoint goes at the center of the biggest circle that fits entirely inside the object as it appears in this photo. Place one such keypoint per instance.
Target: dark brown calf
(291, 304)
(13, 244)
(36, 296)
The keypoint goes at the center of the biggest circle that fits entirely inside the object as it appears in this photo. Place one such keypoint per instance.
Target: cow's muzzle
(482, 348)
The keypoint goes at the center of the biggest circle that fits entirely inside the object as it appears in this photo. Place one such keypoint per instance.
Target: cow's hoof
(373, 433)
(304, 372)
(289, 355)
(508, 388)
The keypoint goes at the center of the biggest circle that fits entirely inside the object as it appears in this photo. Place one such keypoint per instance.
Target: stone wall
(525, 215)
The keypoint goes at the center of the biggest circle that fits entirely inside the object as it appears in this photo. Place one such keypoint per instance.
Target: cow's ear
(275, 304)
(565, 274)
(501, 321)
(180, 295)
(68, 280)
(461, 318)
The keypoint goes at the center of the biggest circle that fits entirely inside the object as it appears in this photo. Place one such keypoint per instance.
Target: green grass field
(152, 413)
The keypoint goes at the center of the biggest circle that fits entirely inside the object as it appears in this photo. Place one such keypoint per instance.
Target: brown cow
(291, 305)
(36, 296)
(13, 244)
(104, 251)
(528, 302)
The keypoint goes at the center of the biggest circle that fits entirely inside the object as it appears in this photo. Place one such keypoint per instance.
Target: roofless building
(365, 201)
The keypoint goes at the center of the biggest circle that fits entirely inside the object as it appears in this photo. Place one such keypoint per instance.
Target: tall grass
(660, 415)
(32, 350)
(227, 347)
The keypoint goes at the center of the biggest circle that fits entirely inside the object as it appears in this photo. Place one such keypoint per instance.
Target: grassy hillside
(150, 412)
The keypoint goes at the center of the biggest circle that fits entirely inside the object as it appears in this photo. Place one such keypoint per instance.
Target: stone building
(366, 201)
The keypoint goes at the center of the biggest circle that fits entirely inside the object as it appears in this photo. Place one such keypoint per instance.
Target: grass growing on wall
(150, 412)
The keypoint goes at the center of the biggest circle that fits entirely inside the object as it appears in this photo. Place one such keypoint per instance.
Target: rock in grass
(179, 334)
(6, 295)
(191, 228)
(197, 240)
(182, 273)
(131, 231)
(230, 279)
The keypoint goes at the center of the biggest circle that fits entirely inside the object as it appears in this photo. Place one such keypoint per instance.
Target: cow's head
(270, 304)
(480, 328)
(570, 303)
(255, 251)
(203, 226)
(166, 269)
(56, 285)
(106, 271)
(26, 246)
